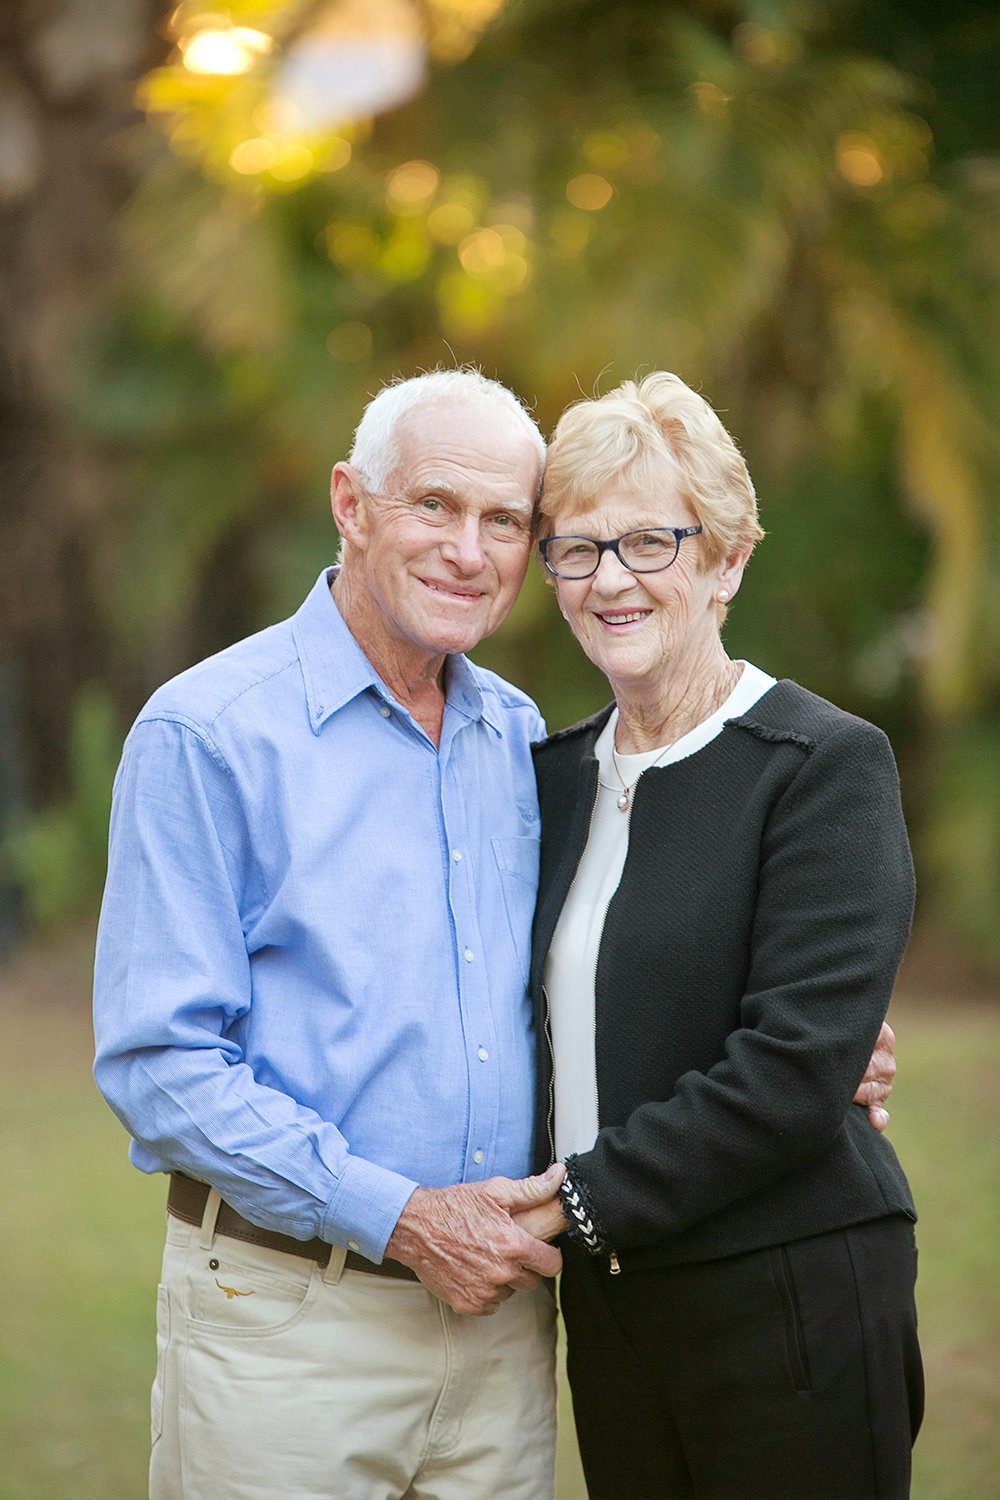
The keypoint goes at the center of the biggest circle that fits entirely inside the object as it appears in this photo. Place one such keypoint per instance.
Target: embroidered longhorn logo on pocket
(231, 1291)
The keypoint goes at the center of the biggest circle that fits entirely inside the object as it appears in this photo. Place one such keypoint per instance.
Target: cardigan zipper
(549, 1118)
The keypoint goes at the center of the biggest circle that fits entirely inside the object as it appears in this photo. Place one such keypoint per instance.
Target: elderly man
(310, 1001)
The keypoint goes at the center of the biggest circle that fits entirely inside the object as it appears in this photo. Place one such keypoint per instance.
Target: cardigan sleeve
(831, 920)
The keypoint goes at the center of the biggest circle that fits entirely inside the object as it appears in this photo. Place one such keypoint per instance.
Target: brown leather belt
(187, 1198)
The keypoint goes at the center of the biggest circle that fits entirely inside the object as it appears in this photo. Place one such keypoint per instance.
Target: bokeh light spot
(292, 162)
(450, 222)
(481, 252)
(253, 156)
(589, 191)
(411, 185)
(229, 52)
(859, 161)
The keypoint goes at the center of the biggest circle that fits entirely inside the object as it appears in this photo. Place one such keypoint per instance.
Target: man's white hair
(375, 450)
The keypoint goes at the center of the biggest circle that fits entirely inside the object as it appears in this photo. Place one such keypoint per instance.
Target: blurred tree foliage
(793, 203)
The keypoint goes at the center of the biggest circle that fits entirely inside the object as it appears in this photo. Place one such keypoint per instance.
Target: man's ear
(347, 501)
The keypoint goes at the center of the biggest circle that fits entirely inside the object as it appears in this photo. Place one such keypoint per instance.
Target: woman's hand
(545, 1221)
(876, 1086)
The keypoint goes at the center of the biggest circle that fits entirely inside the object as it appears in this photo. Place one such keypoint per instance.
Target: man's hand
(876, 1086)
(465, 1245)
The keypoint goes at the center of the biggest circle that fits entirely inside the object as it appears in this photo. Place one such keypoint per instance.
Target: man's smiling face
(447, 541)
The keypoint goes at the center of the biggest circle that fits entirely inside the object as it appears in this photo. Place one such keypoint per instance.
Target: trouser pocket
(795, 1340)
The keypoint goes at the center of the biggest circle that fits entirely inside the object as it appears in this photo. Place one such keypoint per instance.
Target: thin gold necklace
(627, 788)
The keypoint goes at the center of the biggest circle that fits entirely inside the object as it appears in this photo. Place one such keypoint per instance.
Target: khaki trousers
(279, 1380)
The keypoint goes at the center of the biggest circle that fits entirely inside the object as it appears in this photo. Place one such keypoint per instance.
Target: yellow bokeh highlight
(253, 156)
(476, 13)
(278, 115)
(516, 213)
(449, 222)
(228, 52)
(859, 160)
(589, 191)
(411, 186)
(481, 252)
(334, 154)
(456, 25)
(292, 162)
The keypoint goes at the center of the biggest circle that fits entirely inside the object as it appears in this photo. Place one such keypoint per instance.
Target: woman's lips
(617, 617)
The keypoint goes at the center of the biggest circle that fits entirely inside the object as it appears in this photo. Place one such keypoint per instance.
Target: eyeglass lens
(640, 551)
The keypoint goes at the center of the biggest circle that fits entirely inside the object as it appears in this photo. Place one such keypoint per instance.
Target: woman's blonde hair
(641, 435)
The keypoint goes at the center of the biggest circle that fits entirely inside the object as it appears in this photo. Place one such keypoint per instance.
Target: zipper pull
(616, 1269)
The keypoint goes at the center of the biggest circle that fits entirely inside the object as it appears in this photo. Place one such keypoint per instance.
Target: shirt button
(353, 1245)
(478, 1158)
(456, 855)
(482, 1054)
(469, 955)
(385, 710)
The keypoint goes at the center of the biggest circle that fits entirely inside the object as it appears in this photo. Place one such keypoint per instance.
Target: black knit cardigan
(745, 966)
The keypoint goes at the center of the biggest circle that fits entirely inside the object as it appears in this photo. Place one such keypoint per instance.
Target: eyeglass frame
(677, 532)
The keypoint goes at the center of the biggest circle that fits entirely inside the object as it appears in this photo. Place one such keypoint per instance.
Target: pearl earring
(722, 595)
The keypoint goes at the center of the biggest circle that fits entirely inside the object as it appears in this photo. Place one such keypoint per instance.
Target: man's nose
(463, 544)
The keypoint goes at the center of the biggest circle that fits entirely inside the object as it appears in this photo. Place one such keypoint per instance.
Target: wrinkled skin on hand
(466, 1246)
(876, 1086)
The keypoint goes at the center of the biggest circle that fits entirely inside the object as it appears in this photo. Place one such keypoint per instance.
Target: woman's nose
(611, 575)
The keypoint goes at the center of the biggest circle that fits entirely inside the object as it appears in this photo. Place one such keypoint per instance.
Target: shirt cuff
(365, 1208)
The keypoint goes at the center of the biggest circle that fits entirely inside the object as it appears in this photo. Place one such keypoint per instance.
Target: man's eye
(510, 525)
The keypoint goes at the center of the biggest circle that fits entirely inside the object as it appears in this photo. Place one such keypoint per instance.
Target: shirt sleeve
(172, 986)
(834, 905)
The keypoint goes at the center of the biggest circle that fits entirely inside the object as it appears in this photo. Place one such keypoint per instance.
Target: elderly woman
(726, 892)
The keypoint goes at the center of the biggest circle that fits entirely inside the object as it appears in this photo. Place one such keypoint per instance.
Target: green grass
(80, 1250)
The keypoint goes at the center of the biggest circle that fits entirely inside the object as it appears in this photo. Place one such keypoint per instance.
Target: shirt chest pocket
(517, 863)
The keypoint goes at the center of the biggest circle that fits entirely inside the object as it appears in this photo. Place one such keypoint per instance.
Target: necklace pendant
(623, 800)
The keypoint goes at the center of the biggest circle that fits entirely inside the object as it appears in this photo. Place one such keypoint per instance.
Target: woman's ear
(730, 575)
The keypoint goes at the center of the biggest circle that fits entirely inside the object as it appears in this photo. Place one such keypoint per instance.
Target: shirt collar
(335, 669)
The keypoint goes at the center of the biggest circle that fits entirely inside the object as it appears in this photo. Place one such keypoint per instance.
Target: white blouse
(571, 964)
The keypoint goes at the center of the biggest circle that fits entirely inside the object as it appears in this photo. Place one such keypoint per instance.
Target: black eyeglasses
(647, 551)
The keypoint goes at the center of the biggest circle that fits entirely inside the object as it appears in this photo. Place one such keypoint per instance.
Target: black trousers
(790, 1373)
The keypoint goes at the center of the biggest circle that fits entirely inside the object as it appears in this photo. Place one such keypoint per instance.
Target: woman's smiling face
(638, 626)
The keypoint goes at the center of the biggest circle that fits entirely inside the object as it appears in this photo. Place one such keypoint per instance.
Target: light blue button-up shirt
(313, 951)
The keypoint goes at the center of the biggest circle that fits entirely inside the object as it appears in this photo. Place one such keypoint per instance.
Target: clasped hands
(476, 1244)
